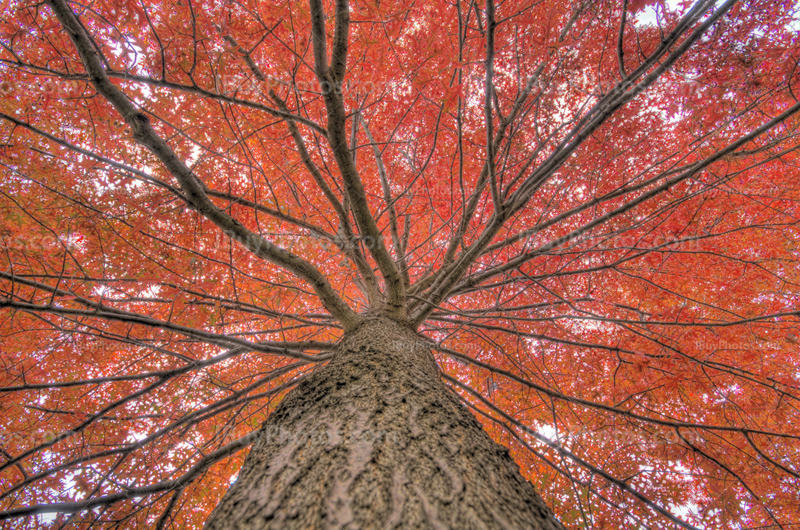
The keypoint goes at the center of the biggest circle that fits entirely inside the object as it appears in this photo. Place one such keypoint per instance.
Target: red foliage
(627, 323)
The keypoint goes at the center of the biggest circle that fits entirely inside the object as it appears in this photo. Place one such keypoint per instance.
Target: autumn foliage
(603, 244)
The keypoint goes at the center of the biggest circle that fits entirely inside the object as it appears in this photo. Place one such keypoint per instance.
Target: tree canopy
(590, 209)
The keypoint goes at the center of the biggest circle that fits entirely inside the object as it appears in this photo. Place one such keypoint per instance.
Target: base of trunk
(375, 440)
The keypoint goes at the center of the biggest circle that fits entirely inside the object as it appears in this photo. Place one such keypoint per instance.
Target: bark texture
(375, 440)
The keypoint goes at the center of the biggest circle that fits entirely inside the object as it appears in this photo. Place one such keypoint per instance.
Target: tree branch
(144, 133)
(130, 493)
(331, 82)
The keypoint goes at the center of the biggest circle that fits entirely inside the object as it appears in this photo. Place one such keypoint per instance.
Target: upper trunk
(375, 440)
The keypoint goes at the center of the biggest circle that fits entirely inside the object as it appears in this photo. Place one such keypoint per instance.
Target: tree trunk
(375, 440)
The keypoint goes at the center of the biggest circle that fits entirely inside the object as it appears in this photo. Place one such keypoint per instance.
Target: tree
(395, 236)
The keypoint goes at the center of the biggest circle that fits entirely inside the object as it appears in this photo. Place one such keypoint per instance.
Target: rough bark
(375, 440)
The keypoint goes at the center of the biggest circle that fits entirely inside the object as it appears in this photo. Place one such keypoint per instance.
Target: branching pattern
(591, 210)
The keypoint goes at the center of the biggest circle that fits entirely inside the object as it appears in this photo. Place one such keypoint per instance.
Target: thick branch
(352, 250)
(192, 188)
(337, 139)
(692, 170)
